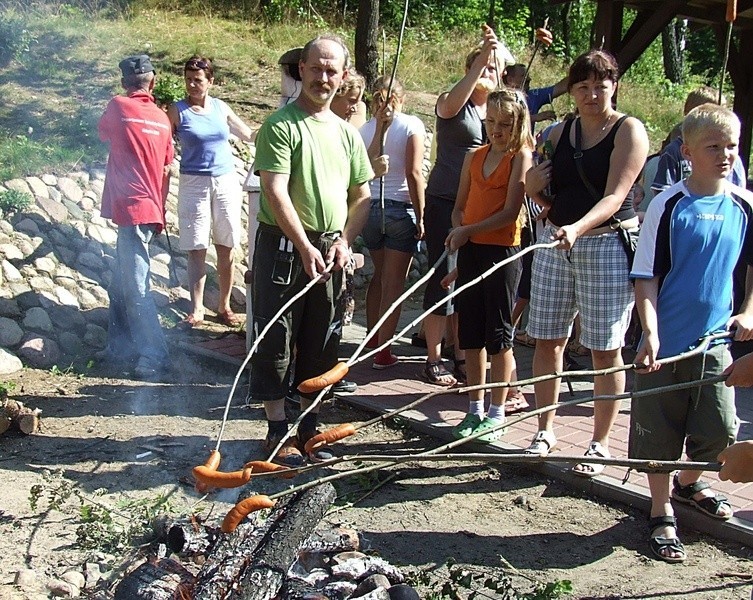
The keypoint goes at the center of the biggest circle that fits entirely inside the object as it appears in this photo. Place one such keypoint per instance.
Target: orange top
(488, 196)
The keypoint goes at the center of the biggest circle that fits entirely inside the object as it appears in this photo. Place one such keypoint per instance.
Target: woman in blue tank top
(209, 193)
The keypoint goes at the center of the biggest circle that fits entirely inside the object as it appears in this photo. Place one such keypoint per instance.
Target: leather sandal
(588, 469)
(437, 374)
(710, 505)
(543, 443)
(660, 543)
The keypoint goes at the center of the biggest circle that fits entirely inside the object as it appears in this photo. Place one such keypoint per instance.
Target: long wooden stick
(440, 450)
(354, 357)
(256, 343)
(387, 99)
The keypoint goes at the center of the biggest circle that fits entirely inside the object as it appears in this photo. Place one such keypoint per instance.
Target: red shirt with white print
(141, 144)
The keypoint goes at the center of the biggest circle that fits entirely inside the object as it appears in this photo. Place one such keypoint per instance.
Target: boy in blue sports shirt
(693, 235)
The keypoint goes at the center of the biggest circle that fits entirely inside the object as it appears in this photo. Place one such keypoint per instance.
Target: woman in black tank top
(588, 183)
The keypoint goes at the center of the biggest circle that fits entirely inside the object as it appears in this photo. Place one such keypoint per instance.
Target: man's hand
(647, 353)
(313, 263)
(743, 326)
(339, 254)
(737, 462)
(740, 372)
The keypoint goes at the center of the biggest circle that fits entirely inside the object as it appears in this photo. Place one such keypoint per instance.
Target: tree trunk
(566, 29)
(367, 24)
(672, 42)
(252, 562)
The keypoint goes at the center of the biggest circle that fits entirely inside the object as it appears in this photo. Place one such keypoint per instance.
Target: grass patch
(57, 89)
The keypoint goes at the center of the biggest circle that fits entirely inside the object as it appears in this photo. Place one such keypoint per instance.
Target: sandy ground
(109, 434)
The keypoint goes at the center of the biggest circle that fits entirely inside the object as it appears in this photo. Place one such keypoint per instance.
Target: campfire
(287, 555)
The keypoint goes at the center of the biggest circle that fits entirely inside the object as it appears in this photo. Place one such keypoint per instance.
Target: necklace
(606, 123)
(591, 139)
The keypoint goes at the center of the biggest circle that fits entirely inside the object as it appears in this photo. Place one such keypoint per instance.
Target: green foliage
(20, 156)
(100, 526)
(12, 201)
(15, 38)
(464, 581)
(6, 387)
(169, 89)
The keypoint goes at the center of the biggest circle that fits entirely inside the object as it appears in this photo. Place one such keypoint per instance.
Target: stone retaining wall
(55, 265)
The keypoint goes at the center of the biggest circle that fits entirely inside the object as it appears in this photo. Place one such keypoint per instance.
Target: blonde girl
(486, 230)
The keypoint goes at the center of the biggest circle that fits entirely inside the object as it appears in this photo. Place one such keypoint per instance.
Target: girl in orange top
(487, 231)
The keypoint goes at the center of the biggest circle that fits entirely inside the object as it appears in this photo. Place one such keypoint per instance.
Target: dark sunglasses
(196, 64)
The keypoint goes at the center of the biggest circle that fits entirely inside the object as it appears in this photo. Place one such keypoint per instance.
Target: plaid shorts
(591, 279)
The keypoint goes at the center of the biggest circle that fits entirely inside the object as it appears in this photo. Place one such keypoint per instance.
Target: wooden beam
(608, 24)
(640, 39)
(743, 107)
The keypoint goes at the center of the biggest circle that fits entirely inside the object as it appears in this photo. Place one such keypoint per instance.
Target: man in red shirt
(136, 185)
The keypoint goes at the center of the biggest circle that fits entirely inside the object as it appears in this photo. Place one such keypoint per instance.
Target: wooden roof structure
(654, 15)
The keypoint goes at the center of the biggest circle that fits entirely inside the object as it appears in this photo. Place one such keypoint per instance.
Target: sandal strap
(690, 490)
(596, 449)
(546, 438)
(662, 521)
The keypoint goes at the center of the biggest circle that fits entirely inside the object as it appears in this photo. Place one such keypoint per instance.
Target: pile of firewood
(286, 556)
(14, 413)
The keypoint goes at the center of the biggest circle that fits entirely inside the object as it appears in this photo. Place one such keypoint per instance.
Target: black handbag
(628, 237)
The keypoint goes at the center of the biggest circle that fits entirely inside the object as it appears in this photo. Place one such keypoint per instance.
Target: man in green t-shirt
(314, 173)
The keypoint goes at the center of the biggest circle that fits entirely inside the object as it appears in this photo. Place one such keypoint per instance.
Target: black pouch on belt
(282, 270)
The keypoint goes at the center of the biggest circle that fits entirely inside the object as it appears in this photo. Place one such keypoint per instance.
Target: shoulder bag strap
(577, 156)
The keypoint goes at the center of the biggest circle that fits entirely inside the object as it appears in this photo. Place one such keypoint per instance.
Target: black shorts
(312, 325)
(437, 224)
(485, 308)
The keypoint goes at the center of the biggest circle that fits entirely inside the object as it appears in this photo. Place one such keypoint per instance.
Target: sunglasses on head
(195, 64)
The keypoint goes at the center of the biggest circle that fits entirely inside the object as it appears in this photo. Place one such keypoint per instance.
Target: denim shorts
(400, 227)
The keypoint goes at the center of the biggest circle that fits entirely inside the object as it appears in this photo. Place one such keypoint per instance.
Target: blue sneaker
(466, 426)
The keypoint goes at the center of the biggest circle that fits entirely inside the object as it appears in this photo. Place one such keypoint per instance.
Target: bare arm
(459, 235)
(275, 186)
(414, 176)
(646, 294)
(172, 114)
(743, 321)
(625, 164)
(450, 103)
(238, 128)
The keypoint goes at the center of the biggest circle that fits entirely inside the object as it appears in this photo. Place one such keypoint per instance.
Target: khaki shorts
(209, 208)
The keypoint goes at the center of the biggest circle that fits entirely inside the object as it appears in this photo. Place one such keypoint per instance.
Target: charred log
(251, 563)
(165, 579)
